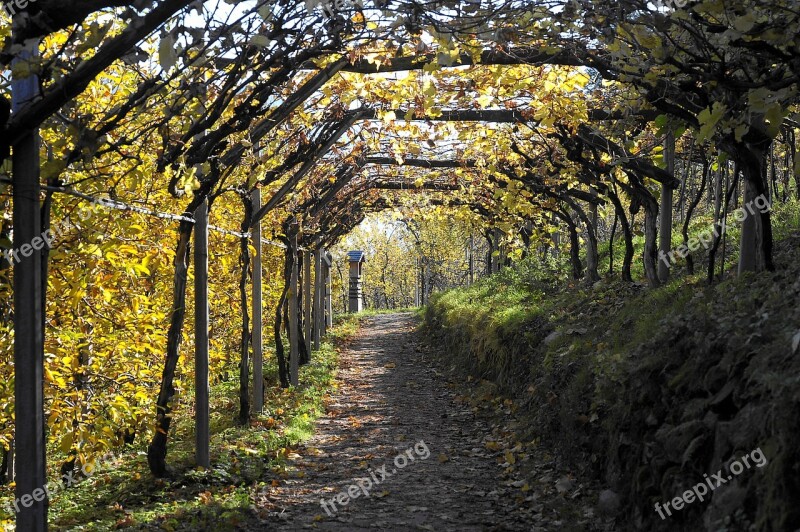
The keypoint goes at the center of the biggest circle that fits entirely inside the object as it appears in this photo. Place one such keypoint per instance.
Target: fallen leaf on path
(564, 484)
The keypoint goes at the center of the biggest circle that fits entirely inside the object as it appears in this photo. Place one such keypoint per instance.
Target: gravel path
(397, 431)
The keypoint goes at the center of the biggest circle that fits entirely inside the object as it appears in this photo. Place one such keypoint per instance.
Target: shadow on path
(389, 400)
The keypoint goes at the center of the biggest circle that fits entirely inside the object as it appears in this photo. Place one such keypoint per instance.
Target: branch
(526, 55)
(33, 114)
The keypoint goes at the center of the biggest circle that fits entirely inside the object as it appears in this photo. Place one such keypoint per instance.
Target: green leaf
(709, 118)
(745, 23)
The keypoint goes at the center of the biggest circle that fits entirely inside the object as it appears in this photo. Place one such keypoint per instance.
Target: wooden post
(307, 299)
(417, 281)
(319, 318)
(202, 431)
(471, 259)
(10, 467)
(29, 431)
(328, 292)
(665, 241)
(258, 333)
(500, 259)
(294, 352)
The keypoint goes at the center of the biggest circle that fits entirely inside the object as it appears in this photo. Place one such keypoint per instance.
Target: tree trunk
(305, 355)
(650, 241)
(283, 372)
(721, 217)
(157, 450)
(574, 245)
(611, 245)
(793, 150)
(627, 234)
(665, 219)
(756, 237)
(244, 362)
(688, 218)
(592, 275)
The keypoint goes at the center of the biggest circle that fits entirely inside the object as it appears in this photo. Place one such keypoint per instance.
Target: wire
(121, 206)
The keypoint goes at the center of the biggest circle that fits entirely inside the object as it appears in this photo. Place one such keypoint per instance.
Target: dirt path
(396, 422)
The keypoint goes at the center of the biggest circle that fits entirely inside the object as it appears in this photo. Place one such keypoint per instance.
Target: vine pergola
(561, 168)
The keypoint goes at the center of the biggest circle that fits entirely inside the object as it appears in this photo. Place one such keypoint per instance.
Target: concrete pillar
(355, 293)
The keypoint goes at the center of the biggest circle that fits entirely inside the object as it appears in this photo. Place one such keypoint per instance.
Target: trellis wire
(121, 206)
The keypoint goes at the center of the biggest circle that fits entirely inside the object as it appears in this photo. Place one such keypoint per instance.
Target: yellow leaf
(493, 445)
(66, 442)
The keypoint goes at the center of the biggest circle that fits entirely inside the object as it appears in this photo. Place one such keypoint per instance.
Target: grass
(376, 311)
(245, 459)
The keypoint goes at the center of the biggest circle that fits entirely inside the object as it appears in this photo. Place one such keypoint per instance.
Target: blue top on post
(356, 256)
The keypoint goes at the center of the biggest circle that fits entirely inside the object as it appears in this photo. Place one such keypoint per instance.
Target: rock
(608, 503)
(726, 500)
(552, 337)
(675, 440)
(742, 432)
(564, 484)
(579, 331)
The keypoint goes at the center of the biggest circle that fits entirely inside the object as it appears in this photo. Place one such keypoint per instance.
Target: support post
(328, 293)
(307, 300)
(258, 330)
(471, 259)
(294, 352)
(319, 318)
(500, 260)
(29, 432)
(665, 236)
(202, 431)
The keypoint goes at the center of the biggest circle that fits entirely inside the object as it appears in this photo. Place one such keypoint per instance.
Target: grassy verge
(377, 312)
(122, 494)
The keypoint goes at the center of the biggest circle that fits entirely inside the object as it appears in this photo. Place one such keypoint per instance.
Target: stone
(608, 503)
(552, 337)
